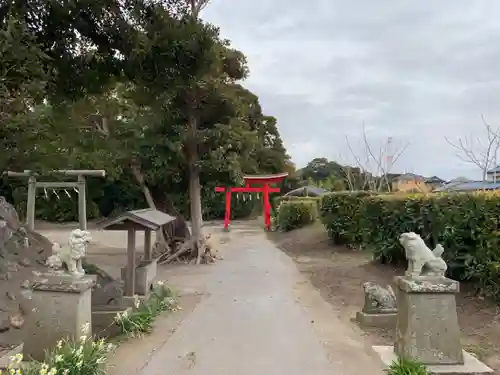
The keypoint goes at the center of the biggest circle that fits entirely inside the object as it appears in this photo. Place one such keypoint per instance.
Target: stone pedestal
(145, 273)
(60, 306)
(427, 323)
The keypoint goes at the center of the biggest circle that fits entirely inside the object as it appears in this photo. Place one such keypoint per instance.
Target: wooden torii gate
(265, 181)
(33, 184)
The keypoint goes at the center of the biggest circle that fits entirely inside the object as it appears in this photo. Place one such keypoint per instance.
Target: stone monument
(60, 301)
(427, 323)
(380, 309)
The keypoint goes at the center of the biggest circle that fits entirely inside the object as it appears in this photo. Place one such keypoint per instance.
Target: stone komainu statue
(422, 261)
(379, 300)
(71, 256)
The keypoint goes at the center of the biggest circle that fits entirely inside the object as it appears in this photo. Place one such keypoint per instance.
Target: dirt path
(258, 315)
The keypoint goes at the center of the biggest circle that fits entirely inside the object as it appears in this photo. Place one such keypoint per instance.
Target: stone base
(145, 274)
(427, 325)
(377, 320)
(60, 306)
(471, 366)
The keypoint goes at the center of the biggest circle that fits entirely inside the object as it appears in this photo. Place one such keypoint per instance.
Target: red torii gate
(250, 180)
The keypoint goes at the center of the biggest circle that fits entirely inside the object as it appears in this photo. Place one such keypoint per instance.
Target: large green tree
(143, 88)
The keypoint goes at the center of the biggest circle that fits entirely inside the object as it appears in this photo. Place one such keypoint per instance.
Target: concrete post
(30, 206)
(82, 203)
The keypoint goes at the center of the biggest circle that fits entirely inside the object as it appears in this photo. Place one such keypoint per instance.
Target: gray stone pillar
(427, 323)
(59, 307)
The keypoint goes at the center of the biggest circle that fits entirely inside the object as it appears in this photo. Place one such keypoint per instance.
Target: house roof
(434, 179)
(311, 191)
(409, 176)
(470, 186)
(494, 170)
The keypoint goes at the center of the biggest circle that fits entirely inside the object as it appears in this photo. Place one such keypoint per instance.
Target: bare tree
(480, 151)
(375, 164)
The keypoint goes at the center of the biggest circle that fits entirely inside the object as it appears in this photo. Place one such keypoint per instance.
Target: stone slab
(377, 320)
(53, 282)
(426, 284)
(471, 366)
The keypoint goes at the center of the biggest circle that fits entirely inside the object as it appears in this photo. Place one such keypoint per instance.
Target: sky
(416, 71)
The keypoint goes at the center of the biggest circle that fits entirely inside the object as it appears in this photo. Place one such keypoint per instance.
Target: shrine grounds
(336, 273)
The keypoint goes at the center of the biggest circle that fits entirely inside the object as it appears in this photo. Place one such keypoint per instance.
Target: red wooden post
(227, 217)
(267, 207)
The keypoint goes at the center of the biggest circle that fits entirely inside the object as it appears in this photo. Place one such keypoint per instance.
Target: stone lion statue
(378, 299)
(422, 261)
(71, 256)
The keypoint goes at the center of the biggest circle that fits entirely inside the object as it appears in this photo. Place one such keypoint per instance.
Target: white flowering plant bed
(140, 320)
(84, 356)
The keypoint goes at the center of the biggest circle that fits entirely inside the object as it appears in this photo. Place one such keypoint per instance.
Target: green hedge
(293, 214)
(465, 224)
(341, 213)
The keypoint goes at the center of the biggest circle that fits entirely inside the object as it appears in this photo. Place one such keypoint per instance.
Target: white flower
(85, 329)
(83, 338)
(16, 359)
(137, 301)
(52, 371)
(110, 347)
(79, 364)
(59, 344)
(100, 360)
(59, 358)
(44, 369)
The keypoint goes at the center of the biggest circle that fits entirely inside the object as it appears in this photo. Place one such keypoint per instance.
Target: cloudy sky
(416, 71)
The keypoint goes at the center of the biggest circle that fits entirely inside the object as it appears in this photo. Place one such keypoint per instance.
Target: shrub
(341, 213)
(294, 214)
(465, 224)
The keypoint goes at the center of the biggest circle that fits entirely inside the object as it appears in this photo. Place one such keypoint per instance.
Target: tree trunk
(194, 188)
(139, 176)
(136, 171)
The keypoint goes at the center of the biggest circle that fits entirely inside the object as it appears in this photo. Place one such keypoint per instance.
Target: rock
(5, 276)
(108, 291)
(4, 322)
(16, 321)
(25, 262)
(10, 296)
(12, 266)
(25, 284)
